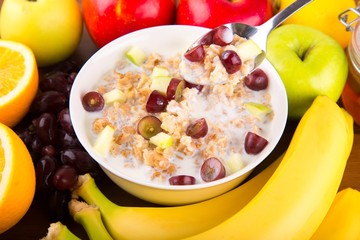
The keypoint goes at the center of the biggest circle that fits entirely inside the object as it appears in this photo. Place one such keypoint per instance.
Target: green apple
(52, 29)
(309, 62)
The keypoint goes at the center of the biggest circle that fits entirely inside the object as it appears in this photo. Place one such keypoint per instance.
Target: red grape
(231, 61)
(93, 101)
(212, 169)
(222, 36)
(195, 54)
(254, 143)
(257, 80)
(45, 126)
(175, 88)
(56, 82)
(45, 169)
(197, 129)
(65, 177)
(79, 159)
(207, 39)
(149, 126)
(193, 85)
(48, 150)
(182, 180)
(156, 102)
(65, 121)
(49, 101)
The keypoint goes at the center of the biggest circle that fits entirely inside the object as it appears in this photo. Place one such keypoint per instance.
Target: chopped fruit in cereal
(212, 169)
(93, 101)
(175, 89)
(234, 163)
(254, 143)
(149, 126)
(160, 83)
(162, 140)
(156, 102)
(257, 80)
(104, 140)
(197, 129)
(114, 95)
(182, 180)
(159, 72)
(173, 132)
(160, 79)
(136, 55)
(257, 109)
(248, 50)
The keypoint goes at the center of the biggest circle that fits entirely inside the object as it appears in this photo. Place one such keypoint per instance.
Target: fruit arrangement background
(35, 222)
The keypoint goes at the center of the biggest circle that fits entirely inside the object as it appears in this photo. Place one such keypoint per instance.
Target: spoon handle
(265, 28)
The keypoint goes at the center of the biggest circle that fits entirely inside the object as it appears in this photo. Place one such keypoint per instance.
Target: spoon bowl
(258, 34)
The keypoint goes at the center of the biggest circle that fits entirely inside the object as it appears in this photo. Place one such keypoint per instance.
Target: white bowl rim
(171, 29)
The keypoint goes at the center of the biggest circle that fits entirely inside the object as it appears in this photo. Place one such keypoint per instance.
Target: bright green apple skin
(52, 29)
(309, 62)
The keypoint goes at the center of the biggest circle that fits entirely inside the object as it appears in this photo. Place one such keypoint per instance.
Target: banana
(343, 219)
(295, 200)
(90, 218)
(58, 231)
(170, 222)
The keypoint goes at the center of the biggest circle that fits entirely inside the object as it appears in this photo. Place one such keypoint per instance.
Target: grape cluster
(47, 131)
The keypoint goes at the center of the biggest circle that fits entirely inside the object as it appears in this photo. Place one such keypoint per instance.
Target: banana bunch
(343, 218)
(290, 199)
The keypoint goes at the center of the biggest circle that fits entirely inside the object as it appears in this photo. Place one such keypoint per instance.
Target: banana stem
(58, 231)
(88, 190)
(90, 218)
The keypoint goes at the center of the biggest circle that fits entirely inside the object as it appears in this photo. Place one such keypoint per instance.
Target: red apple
(107, 20)
(213, 13)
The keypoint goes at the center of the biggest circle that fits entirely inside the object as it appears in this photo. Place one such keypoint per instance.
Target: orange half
(19, 81)
(17, 178)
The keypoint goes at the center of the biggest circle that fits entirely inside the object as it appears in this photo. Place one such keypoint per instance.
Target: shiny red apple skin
(213, 13)
(107, 20)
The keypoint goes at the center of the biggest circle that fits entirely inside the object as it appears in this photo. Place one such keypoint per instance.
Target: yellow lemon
(17, 178)
(19, 81)
(322, 15)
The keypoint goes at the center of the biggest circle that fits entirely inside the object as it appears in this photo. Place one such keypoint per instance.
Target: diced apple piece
(234, 163)
(162, 140)
(257, 109)
(136, 55)
(160, 79)
(248, 50)
(160, 83)
(115, 95)
(104, 140)
(159, 71)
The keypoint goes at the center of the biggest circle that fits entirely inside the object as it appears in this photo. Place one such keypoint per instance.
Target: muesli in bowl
(163, 138)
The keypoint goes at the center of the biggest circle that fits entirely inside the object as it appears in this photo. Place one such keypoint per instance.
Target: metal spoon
(258, 34)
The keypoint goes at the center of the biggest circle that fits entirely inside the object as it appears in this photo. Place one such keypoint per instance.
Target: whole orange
(322, 15)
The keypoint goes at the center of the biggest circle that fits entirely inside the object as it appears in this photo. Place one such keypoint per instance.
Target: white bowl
(166, 40)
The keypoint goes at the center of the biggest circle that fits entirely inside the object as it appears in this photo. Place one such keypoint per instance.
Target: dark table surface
(36, 221)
